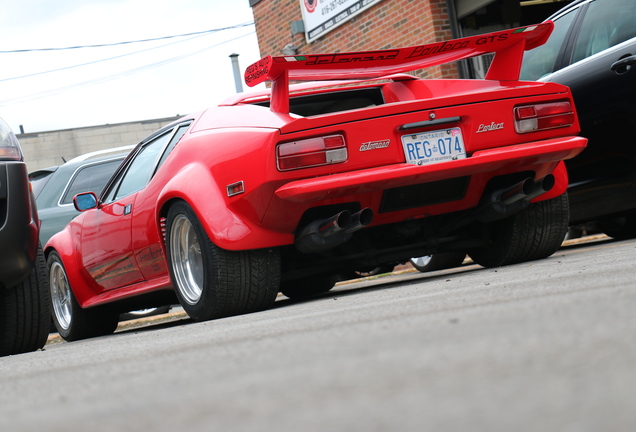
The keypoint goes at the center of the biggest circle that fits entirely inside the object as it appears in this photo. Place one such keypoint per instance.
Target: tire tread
(534, 233)
(235, 282)
(25, 312)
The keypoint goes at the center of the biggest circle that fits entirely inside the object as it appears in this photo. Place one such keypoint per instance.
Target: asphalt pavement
(542, 346)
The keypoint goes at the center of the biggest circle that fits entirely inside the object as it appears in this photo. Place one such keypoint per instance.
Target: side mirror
(85, 201)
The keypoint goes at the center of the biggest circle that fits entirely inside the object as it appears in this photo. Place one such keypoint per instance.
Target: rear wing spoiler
(508, 46)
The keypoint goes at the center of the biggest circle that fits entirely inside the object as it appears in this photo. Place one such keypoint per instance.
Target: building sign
(322, 16)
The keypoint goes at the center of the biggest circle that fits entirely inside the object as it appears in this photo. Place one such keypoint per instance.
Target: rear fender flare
(196, 185)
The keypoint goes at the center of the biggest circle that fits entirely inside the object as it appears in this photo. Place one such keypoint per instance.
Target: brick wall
(389, 24)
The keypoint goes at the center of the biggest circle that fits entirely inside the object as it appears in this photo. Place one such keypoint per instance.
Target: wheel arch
(62, 244)
(196, 185)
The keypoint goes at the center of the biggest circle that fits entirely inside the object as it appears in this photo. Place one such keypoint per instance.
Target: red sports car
(283, 190)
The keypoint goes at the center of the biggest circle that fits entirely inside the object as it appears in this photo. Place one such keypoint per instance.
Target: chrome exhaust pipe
(324, 234)
(542, 186)
(330, 226)
(506, 202)
(359, 220)
(515, 193)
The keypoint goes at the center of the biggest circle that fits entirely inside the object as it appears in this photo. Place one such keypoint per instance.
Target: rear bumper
(18, 224)
(386, 177)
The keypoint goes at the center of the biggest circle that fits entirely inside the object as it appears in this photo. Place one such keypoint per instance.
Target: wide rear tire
(72, 322)
(534, 233)
(25, 312)
(211, 282)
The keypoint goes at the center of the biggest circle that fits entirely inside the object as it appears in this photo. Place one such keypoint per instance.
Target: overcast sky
(57, 89)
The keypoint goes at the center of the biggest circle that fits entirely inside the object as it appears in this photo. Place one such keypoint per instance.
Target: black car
(24, 291)
(592, 50)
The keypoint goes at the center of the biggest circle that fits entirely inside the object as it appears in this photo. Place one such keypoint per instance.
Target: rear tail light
(311, 152)
(9, 153)
(9, 147)
(543, 116)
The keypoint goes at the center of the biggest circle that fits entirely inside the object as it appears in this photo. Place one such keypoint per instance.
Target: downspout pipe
(456, 33)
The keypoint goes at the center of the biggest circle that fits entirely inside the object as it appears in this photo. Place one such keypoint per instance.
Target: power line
(98, 61)
(128, 42)
(53, 92)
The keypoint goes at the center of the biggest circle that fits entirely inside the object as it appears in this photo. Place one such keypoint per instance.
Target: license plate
(433, 147)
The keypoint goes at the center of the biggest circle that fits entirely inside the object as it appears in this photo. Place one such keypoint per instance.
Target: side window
(541, 60)
(141, 168)
(173, 142)
(606, 23)
(90, 178)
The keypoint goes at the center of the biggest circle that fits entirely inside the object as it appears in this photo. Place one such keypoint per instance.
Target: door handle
(127, 209)
(624, 64)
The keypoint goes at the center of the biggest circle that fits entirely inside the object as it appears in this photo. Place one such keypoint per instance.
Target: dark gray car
(55, 187)
(24, 291)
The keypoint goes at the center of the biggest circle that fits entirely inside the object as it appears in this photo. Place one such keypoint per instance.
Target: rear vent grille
(424, 194)
(162, 227)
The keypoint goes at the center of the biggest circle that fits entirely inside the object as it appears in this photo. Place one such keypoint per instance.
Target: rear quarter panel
(199, 171)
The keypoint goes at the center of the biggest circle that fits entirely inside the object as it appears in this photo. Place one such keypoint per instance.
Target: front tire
(211, 282)
(72, 322)
(534, 233)
(25, 312)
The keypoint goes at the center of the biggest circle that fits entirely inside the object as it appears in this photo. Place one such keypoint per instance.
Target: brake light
(311, 152)
(538, 117)
(9, 146)
(9, 153)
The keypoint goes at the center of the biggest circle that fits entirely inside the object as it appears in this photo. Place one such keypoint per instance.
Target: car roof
(96, 156)
(102, 154)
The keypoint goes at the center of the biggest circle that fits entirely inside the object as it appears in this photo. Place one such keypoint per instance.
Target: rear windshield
(39, 180)
(334, 101)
